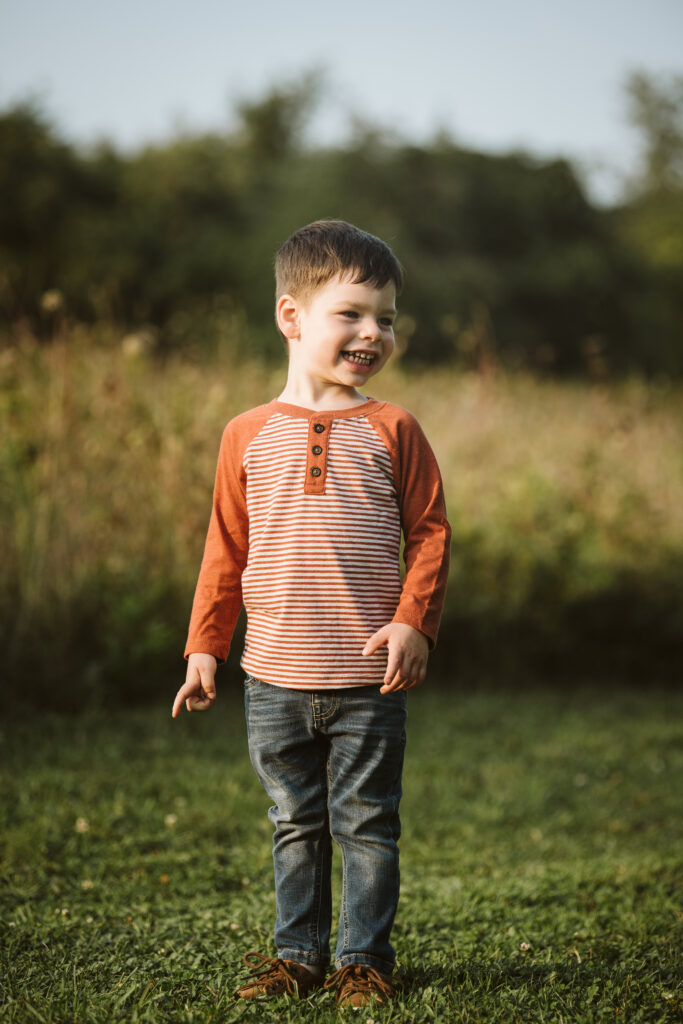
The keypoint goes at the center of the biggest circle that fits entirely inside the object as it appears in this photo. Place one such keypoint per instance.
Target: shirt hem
(312, 687)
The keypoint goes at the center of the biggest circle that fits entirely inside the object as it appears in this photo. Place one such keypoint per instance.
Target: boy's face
(341, 335)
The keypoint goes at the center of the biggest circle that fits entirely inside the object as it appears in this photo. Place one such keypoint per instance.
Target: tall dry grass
(566, 501)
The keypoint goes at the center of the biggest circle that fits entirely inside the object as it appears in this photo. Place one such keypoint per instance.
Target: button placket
(316, 460)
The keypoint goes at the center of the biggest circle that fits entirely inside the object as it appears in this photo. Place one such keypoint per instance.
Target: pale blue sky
(535, 74)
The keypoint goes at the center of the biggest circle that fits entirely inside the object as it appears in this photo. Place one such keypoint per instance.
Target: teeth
(357, 357)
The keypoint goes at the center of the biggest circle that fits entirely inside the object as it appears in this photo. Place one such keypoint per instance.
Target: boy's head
(336, 304)
(329, 249)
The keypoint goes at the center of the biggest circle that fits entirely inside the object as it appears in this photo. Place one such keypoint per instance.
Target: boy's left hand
(408, 651)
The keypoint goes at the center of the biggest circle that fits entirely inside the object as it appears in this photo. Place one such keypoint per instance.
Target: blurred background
(526, 164)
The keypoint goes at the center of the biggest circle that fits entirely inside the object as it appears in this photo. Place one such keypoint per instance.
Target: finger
(409, 674)
(393, 669)
(376, 641)
(418, 677)
(393, 687)
(208, 684)
(180, 698)
(408, 667)
(198, 703)
(191, 685)
(393, 682)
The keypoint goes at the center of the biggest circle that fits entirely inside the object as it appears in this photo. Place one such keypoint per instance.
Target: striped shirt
(308, 511)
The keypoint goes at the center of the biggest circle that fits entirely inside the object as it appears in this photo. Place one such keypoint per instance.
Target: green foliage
(538, 857)
(551, 584)
(507, 259)
(41, 180)
(650, 224)
(272, 128)
(656, 110)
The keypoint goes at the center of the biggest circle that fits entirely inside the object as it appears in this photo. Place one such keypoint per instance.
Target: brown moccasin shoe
(357, 985)
(272, 977)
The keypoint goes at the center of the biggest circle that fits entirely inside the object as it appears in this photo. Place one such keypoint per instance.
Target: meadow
(540, 863)
(541, 871)
(566, 501)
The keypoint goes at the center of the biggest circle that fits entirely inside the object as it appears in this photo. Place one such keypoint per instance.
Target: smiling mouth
(359, 358)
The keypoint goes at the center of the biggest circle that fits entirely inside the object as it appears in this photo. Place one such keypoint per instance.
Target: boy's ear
(287, 316)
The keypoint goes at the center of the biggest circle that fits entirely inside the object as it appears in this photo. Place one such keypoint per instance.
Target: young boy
(312, 492)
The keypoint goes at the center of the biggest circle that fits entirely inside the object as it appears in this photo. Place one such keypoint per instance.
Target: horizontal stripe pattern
(322, 573)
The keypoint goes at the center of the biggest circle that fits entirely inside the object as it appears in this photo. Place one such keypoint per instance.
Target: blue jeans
(331, 762)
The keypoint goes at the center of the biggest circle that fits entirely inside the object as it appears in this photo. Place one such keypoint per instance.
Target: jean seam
(325, 716)
(320, 867)
(343, 909)
(315, 917)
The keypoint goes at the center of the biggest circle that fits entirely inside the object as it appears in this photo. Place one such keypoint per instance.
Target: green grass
(539, 860)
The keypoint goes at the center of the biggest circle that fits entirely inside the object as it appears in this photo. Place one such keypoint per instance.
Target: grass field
(541, 872)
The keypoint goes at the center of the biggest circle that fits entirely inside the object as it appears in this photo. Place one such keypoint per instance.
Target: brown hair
(326, 249)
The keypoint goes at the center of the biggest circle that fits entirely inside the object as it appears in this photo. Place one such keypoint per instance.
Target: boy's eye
(350, 314)
(386, 321)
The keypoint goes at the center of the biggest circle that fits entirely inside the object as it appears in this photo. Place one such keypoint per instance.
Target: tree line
(507, 258)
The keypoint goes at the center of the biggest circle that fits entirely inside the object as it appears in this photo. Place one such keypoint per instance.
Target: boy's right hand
(198, 692)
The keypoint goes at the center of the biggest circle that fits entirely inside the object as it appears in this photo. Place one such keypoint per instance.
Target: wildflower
(87, 884)
(82, 825)
(525, 947)
(170, 820)
(164, 879)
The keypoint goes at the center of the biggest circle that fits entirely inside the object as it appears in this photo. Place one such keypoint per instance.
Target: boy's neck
(320, 397)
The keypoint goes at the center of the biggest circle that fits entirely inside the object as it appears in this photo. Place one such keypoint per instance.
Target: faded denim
(331, 762)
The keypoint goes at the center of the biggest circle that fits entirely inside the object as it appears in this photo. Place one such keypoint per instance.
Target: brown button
(316, 449)
(319, 427)
(316, 471)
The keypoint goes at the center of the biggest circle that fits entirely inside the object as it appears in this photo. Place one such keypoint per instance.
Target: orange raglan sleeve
(218, 595)
(426, 531)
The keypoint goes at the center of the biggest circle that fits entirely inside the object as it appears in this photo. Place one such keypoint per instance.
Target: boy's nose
(369, 328)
